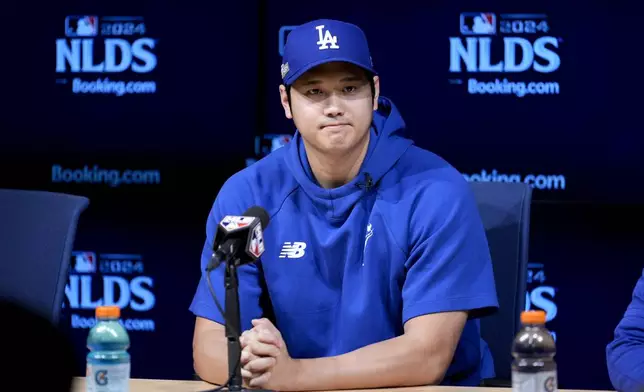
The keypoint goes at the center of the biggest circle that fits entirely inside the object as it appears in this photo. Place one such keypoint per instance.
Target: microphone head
(259, 212)
(241, 237)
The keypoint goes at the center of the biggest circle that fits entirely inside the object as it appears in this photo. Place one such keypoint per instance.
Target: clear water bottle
(108, 361)
(534, 368)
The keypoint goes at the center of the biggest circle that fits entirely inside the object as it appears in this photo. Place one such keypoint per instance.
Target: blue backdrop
(148, 107)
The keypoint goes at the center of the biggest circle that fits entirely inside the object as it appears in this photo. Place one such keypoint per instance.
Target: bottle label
(108, 378)
(534, 382)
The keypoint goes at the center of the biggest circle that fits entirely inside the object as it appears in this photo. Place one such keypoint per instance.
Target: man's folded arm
(449, 280)
(418, 357)
(209, 351)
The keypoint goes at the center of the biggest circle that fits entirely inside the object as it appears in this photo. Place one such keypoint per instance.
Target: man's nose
(333, 106)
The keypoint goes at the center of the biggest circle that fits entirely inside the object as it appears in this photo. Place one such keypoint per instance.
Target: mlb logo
(478, 23)
(232, 223)
(283, 33)
(84, 262)
(81, 26)
(256, 247)
(279, 141)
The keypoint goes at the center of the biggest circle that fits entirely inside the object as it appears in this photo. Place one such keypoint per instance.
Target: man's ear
(376, 85)
(285, 103)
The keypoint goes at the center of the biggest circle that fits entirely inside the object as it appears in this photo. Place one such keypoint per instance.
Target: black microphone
(238, 240)
(368, 182)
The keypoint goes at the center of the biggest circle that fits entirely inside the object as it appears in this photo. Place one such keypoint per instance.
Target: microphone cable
(209, 269)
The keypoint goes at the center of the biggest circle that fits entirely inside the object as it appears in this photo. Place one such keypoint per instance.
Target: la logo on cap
(326, 39)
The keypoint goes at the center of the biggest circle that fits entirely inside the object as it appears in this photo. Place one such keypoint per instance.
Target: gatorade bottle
(108, 362)
(534, 368)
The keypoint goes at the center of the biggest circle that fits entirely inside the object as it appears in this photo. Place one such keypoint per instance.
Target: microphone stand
(232, 319)
(233, 327)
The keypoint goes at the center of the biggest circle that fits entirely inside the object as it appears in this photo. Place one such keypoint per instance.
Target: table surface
(142, 385)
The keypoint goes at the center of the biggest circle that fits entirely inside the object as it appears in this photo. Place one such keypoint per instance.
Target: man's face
(332, 107)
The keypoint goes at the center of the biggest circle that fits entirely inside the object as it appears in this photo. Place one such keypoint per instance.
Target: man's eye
(350, 89)
(314, 91)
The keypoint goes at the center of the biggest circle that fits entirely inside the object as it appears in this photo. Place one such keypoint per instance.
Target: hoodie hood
(386, 146)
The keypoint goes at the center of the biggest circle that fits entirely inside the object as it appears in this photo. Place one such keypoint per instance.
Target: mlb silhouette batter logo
(279, 142)
(84, 262)
(232, 223)
(478, 23)
(81, 26)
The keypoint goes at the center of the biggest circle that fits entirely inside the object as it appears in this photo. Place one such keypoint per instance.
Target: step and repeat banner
(148, 107)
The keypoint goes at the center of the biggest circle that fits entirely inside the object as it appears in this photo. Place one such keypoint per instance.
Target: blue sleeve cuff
(479, 306)
(203, 304)
(200, 309)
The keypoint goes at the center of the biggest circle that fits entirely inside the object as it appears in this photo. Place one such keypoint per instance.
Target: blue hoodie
(625, 354)
(347, 267)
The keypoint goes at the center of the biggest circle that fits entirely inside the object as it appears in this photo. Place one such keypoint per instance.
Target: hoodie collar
(386, 145)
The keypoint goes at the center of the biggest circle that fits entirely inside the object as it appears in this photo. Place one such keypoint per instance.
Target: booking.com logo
(538, 181)
(506, 87)
(106, 86)
(96, 175)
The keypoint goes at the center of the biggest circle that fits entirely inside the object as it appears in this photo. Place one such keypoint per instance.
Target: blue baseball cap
(323, 41)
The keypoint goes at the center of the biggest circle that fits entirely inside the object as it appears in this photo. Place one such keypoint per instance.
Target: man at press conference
(376, 268)
(625, 353)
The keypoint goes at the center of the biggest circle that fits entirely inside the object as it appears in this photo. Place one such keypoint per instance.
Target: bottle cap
(533, 317)
(108, 312)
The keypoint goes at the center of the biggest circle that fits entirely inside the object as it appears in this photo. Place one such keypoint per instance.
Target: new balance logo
(326, 39)
(293, 250)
